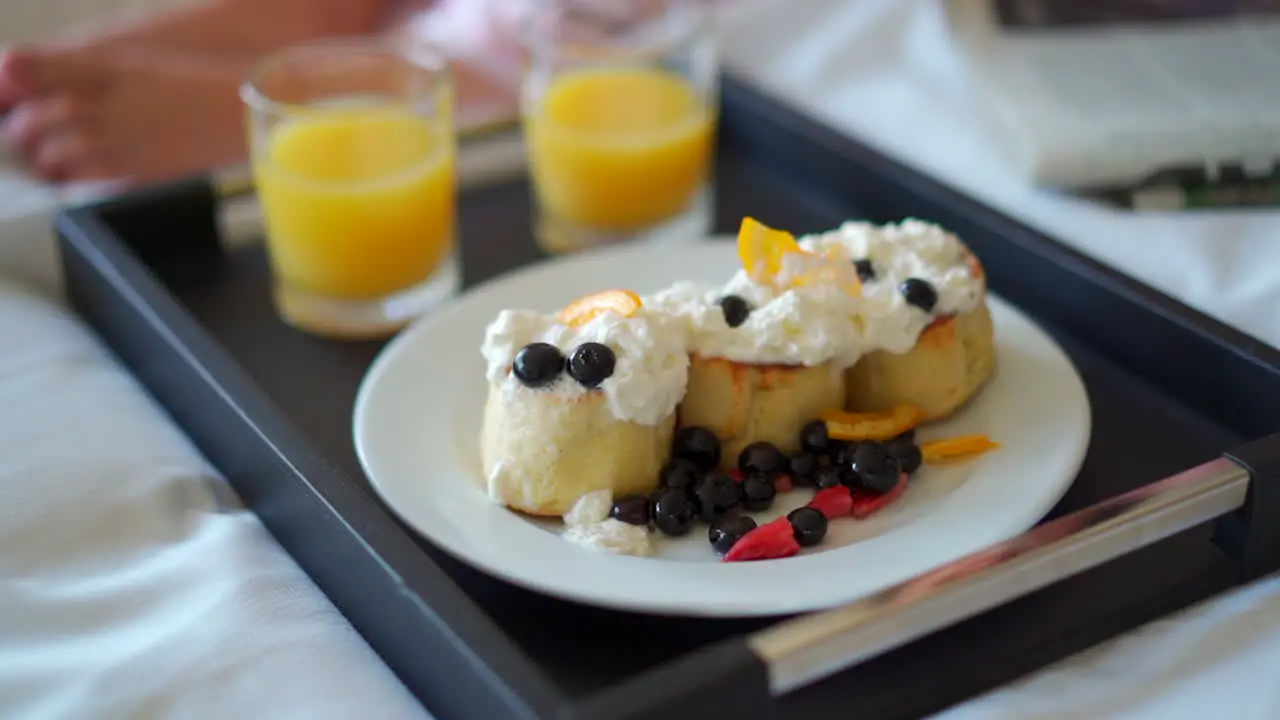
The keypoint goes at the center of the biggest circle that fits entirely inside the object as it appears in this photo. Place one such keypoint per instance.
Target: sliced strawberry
(770, 541)
(736, 474)
(782, 483)
(833, 502)
(866, 504)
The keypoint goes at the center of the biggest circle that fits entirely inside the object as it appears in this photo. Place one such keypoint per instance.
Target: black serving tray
(190, 314)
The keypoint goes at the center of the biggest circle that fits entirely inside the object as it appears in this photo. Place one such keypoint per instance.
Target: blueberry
(757, 492)
(808, 524)
(698, 445)
(761, 457)
(591, 364)
(880, 481)
(865, 270)
(814, 438)
(680, 474)
(736, 310)
(828, 477)
(869, 455)
(802, 467)
(717, 495)
(908, 435)
(633, 510)
(907, 453)
(674, 513)
(876, 471)
(844, 457)
(726, 532)
(919, 293)
(538, 364)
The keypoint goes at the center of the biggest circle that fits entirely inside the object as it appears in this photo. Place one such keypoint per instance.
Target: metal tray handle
(811, 647)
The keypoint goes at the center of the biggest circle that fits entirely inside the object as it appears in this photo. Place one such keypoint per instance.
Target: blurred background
(1154, 104)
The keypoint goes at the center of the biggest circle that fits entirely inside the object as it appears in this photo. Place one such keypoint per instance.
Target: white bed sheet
(133, 584)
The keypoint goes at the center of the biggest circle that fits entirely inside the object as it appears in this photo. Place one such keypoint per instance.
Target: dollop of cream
(591, 508)
(612, 536)
(652, 361)
(808, 325)
(910, 249)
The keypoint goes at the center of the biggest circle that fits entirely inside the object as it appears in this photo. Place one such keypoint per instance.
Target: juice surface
(359, 202)
(619, 149)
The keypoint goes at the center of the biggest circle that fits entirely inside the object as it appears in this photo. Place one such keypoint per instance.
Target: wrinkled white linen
(132, 582)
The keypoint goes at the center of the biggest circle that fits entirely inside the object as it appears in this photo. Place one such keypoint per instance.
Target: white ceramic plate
(417, 421)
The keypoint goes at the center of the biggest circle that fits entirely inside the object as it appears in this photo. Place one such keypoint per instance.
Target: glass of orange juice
(353, 151)
(619, 106)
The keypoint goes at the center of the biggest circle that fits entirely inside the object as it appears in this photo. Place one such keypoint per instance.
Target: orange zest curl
(762, 249)
(587, 308)
(872, 425)
(957, 448)
(766, 252)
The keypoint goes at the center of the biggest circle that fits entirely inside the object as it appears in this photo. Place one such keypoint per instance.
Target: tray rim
(119, 267)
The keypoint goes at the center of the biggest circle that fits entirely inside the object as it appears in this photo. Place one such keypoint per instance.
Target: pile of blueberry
(541, 364)
(692, 489)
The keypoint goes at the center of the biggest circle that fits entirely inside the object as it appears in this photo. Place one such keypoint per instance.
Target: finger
(34, 73)
(30, 121)
(69, 156)
(10, 90)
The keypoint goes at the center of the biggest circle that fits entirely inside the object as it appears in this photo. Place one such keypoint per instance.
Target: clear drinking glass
(619, 106)
(354, 152)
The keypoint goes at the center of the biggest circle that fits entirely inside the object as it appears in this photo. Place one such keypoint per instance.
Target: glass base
(365, 319)
(557, 235)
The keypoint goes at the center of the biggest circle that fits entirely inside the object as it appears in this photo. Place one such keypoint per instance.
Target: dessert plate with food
(758, 427)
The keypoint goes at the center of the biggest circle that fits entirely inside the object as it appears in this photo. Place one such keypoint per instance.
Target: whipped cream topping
(807, 325)
(910, 249)
(612, 536)
(652, 361)
(591, 508)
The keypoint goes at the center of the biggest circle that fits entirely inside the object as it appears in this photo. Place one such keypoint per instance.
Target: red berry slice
(833, 502)
(770, 541)
(782, 484)
(866, 504)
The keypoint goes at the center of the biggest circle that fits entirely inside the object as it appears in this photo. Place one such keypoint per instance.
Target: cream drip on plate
(612, 536)
(808, 325)
(910, 249)
(588, 524)
(591, 508)
(649, 376)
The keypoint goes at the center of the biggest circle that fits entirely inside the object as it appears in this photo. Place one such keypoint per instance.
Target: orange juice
(358, 201)
(619, 149)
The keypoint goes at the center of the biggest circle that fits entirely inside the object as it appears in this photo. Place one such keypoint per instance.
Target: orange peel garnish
(872, 425)
(957, 448)
(761, 250)
(589, 307)
(766, 252)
